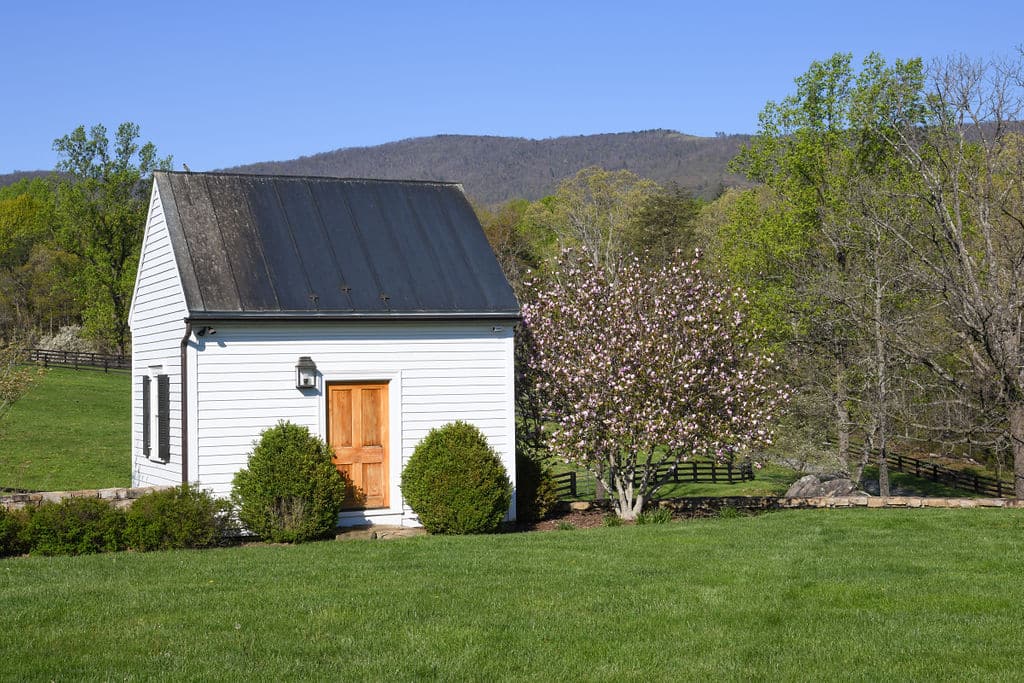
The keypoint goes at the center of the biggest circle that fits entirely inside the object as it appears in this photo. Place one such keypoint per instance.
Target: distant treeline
(496, 169)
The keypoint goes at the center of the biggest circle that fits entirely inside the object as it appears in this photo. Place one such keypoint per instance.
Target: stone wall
(899, 502)
(118, 497)
(705, 507)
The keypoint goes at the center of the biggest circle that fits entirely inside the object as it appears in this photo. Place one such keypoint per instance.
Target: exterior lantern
(305, 373)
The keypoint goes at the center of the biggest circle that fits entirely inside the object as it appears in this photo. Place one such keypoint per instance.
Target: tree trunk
(865, 457)
(883, 473)
(626, 505)
(625, 494)
(842, 416)
(881, 379)
(1017, 438)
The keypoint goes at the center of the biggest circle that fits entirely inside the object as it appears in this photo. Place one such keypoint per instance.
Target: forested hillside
(11, 178)
(495, 169)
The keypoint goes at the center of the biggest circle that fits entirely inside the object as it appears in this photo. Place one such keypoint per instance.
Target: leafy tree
(593, 212)
(751, 236)
(644, 370)
(35, 291)
(799, 153)
(101, 216)
(842, 275)
(505, 231)
(663, 224)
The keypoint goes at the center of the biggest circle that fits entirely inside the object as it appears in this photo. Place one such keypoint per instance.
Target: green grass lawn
(798, 595)
(70, 431)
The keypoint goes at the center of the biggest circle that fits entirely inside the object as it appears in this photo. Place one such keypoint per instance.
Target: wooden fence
(78, 359)
(959, 479)
(575, 484)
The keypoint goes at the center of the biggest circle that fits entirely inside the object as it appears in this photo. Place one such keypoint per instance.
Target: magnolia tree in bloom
(647, 370)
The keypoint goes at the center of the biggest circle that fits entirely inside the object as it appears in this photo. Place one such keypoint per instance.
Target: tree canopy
(100, 218)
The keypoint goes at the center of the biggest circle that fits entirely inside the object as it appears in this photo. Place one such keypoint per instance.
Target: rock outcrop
(822, 485)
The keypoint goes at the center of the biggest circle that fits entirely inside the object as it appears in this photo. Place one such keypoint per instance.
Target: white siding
(437, 373)
(157, 321)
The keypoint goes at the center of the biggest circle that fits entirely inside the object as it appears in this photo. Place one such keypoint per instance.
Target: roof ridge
(288, 176)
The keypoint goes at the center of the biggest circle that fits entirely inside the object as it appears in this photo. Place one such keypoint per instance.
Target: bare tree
(962, 217)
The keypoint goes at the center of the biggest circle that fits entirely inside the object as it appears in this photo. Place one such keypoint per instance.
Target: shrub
(291, 491)
(182, 517)
(12, 532)
(611, 519)
(656, 516)
(75, 526)
(535, 489)
(456, 483)
(729, 512)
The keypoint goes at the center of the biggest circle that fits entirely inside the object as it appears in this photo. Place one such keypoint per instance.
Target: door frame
(393, 380)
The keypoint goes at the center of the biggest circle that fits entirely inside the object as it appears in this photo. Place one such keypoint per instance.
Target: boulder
(822, 486)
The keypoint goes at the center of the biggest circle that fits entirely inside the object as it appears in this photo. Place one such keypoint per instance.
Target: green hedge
(75, 526)
(13, 540)
(182, 517)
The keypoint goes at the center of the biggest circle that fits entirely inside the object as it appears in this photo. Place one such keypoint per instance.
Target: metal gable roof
(310, 247)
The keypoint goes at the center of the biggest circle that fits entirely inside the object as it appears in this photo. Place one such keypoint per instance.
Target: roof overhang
(342, 316)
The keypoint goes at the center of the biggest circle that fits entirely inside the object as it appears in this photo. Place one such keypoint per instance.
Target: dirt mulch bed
(579, 519)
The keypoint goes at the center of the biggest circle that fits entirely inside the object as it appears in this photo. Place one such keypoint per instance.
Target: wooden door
(357, 429)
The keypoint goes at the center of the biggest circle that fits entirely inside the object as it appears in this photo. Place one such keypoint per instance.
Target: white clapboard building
(369, 311)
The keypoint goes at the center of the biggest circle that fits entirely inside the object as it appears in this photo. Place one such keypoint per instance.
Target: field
(798, 595)
(70, 431)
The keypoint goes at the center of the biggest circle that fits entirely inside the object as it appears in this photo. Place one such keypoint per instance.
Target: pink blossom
(653, 367)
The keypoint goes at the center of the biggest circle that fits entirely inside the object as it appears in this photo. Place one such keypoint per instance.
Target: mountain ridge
(494, 169)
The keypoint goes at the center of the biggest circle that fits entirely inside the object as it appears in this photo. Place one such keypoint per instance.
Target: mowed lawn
(799, 595)
(70, 431)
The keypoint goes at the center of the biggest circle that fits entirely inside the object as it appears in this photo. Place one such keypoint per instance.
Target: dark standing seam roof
(306, 247)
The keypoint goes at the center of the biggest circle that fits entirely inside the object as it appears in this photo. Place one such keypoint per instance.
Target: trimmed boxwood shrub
(455, 482)
(291, 491)
(12, 532)
(182, 517)
(75, 526)
(536, 495)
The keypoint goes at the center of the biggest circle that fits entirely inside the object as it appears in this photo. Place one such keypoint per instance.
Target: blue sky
(220, 83)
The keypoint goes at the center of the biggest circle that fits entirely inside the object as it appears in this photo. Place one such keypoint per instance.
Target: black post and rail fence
(965, 480)
(78, 359)
(577, 484)
(581, 484)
